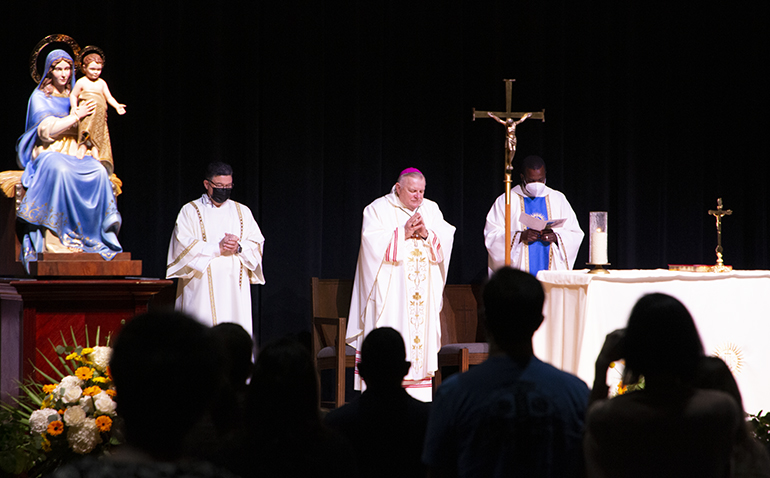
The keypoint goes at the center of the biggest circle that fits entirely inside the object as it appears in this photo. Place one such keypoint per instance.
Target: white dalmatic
(215, 288)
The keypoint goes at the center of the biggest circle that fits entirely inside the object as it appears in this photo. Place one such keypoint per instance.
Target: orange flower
(104, 423)
(84, 373)
(92, 391)
(55, 428)
(61, 412)
(622, 388)
(49, 388)
(110, 392)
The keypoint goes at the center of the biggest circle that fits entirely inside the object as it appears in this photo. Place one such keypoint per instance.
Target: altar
(731, 311)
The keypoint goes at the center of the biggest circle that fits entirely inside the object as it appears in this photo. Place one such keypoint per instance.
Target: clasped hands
(229, 244)
(546, 236)
(415, 227)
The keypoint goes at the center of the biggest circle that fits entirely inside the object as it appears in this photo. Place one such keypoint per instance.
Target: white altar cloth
(731, 311)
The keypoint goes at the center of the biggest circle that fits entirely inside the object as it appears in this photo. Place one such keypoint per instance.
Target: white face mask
(534, 190)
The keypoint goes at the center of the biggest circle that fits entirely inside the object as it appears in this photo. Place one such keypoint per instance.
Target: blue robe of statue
(71, 197)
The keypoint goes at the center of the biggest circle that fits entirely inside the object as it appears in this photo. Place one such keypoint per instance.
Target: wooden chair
(462, 338)
(330, 300)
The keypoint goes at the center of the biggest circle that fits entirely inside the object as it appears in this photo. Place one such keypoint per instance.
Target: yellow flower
(104, 423)
(55, 428)
(84, 373)
(71, 356)
(45, 444)
(86, 351)
(49, 388)
(622, 388)
(100, 379)
(612, 364)
(92, 391)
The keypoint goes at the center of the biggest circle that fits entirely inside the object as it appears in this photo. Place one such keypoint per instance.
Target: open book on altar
(538, 224)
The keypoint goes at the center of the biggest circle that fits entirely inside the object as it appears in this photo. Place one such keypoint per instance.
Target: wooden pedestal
(53, 307)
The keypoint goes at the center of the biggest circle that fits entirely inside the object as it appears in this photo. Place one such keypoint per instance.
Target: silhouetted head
(284, 385)
(238, 348)
(661, 338)
(383, 358)
(714, 374)
(513, 307)
(165, 367)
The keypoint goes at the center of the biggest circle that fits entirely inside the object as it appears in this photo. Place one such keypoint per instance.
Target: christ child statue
(92, 130)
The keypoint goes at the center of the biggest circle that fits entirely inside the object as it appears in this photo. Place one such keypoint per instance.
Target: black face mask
(220, 195)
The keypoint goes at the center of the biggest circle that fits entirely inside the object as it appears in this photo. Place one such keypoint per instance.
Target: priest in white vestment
(216, 253)
(531, 250)
(402, 268)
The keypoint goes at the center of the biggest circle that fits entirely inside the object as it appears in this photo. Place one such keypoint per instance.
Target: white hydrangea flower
(101, 357)
(104, 403)
(87, 404)
(38, 420)
(70, 381)
(84, 437)
(74, 416)
(72, 394)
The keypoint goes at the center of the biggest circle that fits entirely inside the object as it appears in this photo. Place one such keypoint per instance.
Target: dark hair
(532, 162)
(661, 337)
(238, 348)
(91, 57)
(383, 356)
(218, 168)
(513, 306)
(163, 359)
(284, 385)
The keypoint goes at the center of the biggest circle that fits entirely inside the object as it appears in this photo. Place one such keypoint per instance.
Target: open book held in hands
(538, 224)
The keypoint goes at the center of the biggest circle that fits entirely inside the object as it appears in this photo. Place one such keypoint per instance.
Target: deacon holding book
(548, 239)
(400, 276)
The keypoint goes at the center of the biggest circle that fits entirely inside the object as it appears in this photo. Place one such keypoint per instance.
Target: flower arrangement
(73, 415)
(625, 382)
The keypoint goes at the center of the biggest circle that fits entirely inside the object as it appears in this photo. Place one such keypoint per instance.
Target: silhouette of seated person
(385, 425)
(163, 366)
(512, 415)
(220, 428)
(669, 428)
(284, 433)
(749, 458)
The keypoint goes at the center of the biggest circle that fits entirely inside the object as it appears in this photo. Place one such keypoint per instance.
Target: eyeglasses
(220, 186)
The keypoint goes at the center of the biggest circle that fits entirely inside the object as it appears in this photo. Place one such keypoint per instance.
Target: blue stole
(538, 251)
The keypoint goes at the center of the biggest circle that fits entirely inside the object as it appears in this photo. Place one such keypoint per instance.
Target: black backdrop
(653, 110)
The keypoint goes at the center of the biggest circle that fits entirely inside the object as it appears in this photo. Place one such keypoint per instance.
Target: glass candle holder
(597, 247)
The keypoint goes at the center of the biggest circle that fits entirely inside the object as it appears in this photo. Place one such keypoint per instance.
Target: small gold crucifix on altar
(506, 118)
(719, 213)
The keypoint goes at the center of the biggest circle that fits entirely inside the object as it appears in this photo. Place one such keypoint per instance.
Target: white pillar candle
(598, 247)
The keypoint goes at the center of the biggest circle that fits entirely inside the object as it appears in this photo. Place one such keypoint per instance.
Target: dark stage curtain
(653, 111)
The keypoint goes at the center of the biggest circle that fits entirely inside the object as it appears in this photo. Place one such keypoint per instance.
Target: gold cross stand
(719, 213)
(506, 118)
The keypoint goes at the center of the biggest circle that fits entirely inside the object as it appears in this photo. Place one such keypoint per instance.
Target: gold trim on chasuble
(240, 237)
(417, 283)
(183, 253)
(526, 246)
(208, 269)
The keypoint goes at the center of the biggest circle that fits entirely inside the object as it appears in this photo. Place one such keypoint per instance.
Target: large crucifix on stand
(719, 213)
(510, 120)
